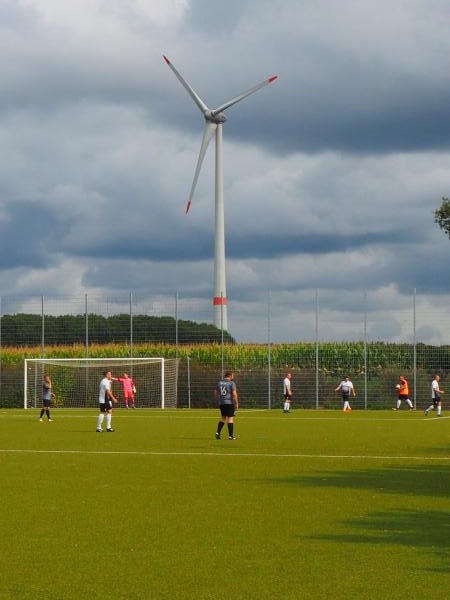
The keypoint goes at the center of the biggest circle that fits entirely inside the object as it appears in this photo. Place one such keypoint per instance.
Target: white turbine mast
(214, 120)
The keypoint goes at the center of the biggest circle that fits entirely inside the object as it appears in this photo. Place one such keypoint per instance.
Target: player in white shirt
(436, 394)
(105, 402)
(287, 393)
(346, 388)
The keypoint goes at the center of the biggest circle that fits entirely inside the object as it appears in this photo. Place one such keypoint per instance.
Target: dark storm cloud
(28, 235)
(159, 248)
(245, 246)
(424, 268)
(381, 130)
(185, 246)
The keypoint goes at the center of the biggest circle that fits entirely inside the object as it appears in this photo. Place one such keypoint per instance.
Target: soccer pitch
(309, 505)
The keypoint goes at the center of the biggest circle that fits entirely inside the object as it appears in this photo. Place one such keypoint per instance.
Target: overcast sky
(332, 173)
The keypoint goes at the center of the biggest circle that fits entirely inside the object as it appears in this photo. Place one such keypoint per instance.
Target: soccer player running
(287, 393)
(47, 396)
(128, 389)
(346, 388)
(436, 394)
(403, 393)
(228, 403)
(105, 402)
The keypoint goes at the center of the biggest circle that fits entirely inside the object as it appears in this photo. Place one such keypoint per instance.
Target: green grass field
(310, 505)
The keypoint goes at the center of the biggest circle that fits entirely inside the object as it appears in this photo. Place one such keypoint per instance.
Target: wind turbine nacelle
(218, 118)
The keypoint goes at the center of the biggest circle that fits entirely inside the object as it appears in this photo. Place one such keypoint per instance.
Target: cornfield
(334, 357)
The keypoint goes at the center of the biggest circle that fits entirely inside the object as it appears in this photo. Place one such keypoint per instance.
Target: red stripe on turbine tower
(219, 300)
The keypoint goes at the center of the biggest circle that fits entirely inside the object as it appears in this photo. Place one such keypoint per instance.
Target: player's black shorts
(227, 410)
(46, 402)
(105, 406)
(436, 400)
(287, 396)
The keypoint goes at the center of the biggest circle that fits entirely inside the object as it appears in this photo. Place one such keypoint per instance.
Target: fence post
(221, 330)
(1, 323)
(269, 353)
(42, 328)
(189, 380)
(365, 349)
(131, 324)
(176, 325)
(176, 346)
(317, 349)
(414, 350)
(86, 349)
(86, 325)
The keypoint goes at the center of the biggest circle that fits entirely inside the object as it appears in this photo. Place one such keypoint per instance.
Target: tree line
(24, 329)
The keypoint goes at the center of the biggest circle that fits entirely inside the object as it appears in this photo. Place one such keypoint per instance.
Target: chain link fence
(318, 337)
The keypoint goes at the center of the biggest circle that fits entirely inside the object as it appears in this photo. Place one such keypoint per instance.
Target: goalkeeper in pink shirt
(128, 389)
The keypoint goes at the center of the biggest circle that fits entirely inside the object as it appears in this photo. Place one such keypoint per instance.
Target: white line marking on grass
(234, 454)
(170, 416)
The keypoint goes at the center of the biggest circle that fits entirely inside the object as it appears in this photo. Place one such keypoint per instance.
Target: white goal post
(75, 381)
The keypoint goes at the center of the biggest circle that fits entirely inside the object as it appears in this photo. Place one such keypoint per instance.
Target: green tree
(442, 216)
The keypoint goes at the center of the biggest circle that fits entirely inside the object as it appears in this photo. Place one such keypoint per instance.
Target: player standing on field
(346, 388)
(105, 400)
(228, 403)
(47, 396)
(128, 389)
(403, 393)
(287, 393)
(436, 394)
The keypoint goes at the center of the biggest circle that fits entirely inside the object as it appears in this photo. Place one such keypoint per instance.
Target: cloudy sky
(332, 174)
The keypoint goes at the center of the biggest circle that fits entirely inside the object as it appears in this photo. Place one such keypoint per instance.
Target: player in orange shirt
(403, 393)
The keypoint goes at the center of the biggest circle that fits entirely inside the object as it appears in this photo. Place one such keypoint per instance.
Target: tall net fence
(370, 340)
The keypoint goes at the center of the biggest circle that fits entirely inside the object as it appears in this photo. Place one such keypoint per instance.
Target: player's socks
(108, 421)
(42, 413)
(230, 429)
(220, 426)
(47, 412)
(101, 416)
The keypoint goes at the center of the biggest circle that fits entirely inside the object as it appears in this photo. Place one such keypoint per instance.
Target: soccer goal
(75, 381)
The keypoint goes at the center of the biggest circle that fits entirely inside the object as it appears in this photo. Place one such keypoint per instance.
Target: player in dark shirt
(226, 393)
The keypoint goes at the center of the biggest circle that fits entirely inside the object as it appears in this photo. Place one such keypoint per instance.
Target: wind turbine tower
(214, 120)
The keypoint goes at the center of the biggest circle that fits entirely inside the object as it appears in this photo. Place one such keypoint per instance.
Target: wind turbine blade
(196, 98)
(244, 95)
(208, 132)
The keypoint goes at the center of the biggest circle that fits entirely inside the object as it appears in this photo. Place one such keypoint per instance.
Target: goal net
(76, 381)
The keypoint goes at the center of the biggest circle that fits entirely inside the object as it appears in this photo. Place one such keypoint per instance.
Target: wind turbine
(214, 120)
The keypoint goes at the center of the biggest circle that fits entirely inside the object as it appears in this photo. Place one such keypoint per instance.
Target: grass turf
(314, 504)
